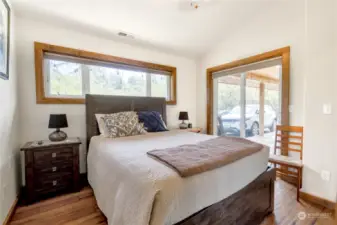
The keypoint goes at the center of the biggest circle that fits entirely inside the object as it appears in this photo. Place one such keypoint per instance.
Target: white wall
(35, 116)
(9, 136)
(320, 152)
(281, 25)
(308, 27)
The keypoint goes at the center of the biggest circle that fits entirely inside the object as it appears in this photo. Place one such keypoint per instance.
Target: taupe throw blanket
(189, 160)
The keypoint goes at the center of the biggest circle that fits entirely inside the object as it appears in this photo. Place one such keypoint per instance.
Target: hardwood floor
(81, 208)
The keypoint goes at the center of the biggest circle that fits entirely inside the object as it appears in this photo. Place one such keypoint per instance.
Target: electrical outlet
(327, 109)
(325, 175)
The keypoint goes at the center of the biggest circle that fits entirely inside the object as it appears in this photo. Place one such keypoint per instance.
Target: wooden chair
(288, 139)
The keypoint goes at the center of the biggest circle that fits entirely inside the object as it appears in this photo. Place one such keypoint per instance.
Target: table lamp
(58, 121)
(183, 116)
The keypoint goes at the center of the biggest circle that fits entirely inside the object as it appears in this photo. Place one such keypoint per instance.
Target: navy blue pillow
(153, 121)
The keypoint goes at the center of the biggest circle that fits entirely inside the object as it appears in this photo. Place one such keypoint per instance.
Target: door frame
(284, 53)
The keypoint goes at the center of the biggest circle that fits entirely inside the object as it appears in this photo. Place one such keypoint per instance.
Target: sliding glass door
(247, 101)
(229, 101)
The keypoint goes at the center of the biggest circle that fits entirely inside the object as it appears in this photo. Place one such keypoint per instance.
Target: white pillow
(100, 122)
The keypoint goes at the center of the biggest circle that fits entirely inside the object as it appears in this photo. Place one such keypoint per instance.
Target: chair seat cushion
(285, 160)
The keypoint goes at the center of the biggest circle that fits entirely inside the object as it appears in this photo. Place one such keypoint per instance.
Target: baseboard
(317, 200)
(11, 211)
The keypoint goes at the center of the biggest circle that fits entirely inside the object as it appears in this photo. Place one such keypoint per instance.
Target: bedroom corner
(10, 174)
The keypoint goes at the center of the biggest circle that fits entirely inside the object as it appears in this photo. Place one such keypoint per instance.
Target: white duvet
(133, 189)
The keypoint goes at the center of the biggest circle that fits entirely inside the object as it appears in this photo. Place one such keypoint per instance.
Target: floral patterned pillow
(122, 124)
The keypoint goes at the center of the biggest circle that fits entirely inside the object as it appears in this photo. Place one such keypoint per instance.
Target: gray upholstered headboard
(113, 104)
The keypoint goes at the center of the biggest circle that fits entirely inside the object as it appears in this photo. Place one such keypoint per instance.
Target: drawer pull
(53, 155)
(54, 182)
(54, 169)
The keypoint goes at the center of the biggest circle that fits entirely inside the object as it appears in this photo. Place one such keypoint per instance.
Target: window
(65, 75)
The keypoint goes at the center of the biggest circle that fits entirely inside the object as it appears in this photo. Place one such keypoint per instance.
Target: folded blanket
(189, 160)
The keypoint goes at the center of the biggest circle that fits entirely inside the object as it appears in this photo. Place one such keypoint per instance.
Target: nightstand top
(193, 129)
(47, 143)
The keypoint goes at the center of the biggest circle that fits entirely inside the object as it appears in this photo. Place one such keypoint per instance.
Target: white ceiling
(166, 24)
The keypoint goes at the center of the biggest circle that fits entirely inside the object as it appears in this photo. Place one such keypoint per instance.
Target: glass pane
(110, 81)
(228, 105)
(65, 78)
(252, 106)
(263, 93)
(160, 85)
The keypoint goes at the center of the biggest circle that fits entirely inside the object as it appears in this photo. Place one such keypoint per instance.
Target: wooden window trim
(284, 53)
(41, 48)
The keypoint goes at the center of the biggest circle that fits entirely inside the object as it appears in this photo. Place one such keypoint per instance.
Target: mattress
(132, 188)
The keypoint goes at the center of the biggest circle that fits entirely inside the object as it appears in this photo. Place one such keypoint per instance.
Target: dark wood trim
(317, 200)
(41, 48)
(11, 211)
(288, 179)
(255, 201)
(282, 52)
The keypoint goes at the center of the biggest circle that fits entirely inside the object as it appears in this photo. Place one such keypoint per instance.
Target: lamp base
(183, 125)
(58, 135)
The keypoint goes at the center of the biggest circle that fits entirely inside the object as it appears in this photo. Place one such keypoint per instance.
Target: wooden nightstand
(194, 129)
(51, 168)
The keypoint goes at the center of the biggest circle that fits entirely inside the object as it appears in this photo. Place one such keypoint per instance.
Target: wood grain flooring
(81, 208)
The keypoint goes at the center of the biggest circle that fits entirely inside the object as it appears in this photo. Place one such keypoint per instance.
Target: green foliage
(65, 84)
(66, 79)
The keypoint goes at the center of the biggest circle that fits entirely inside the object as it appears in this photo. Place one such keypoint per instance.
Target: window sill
(76, 101)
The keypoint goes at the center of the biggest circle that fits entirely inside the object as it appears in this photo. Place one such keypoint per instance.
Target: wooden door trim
(284, 53)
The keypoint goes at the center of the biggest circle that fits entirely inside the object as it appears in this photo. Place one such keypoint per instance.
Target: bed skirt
(249, 206)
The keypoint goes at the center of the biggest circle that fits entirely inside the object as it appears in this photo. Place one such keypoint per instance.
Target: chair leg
(301, 177)
(298, 184)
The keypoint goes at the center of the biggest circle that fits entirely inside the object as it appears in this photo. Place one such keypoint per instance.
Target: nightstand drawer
(54, 156)
(54, 169)
(50, 182)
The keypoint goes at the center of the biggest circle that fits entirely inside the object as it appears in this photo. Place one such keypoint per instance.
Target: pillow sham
(122, 124)
(153, 121)
(100, 122)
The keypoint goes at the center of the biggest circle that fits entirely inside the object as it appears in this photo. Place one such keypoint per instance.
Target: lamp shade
(183, 116)
(58, 121)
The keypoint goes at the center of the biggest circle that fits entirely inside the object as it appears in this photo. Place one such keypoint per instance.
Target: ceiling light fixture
(123, 34)
(195, 4)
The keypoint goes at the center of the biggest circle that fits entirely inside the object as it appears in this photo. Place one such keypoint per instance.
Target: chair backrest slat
(289, 138)
(288, 149)
(295, 129)
(289, 142)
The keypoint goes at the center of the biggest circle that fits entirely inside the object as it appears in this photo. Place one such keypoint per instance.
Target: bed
(132, 188)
